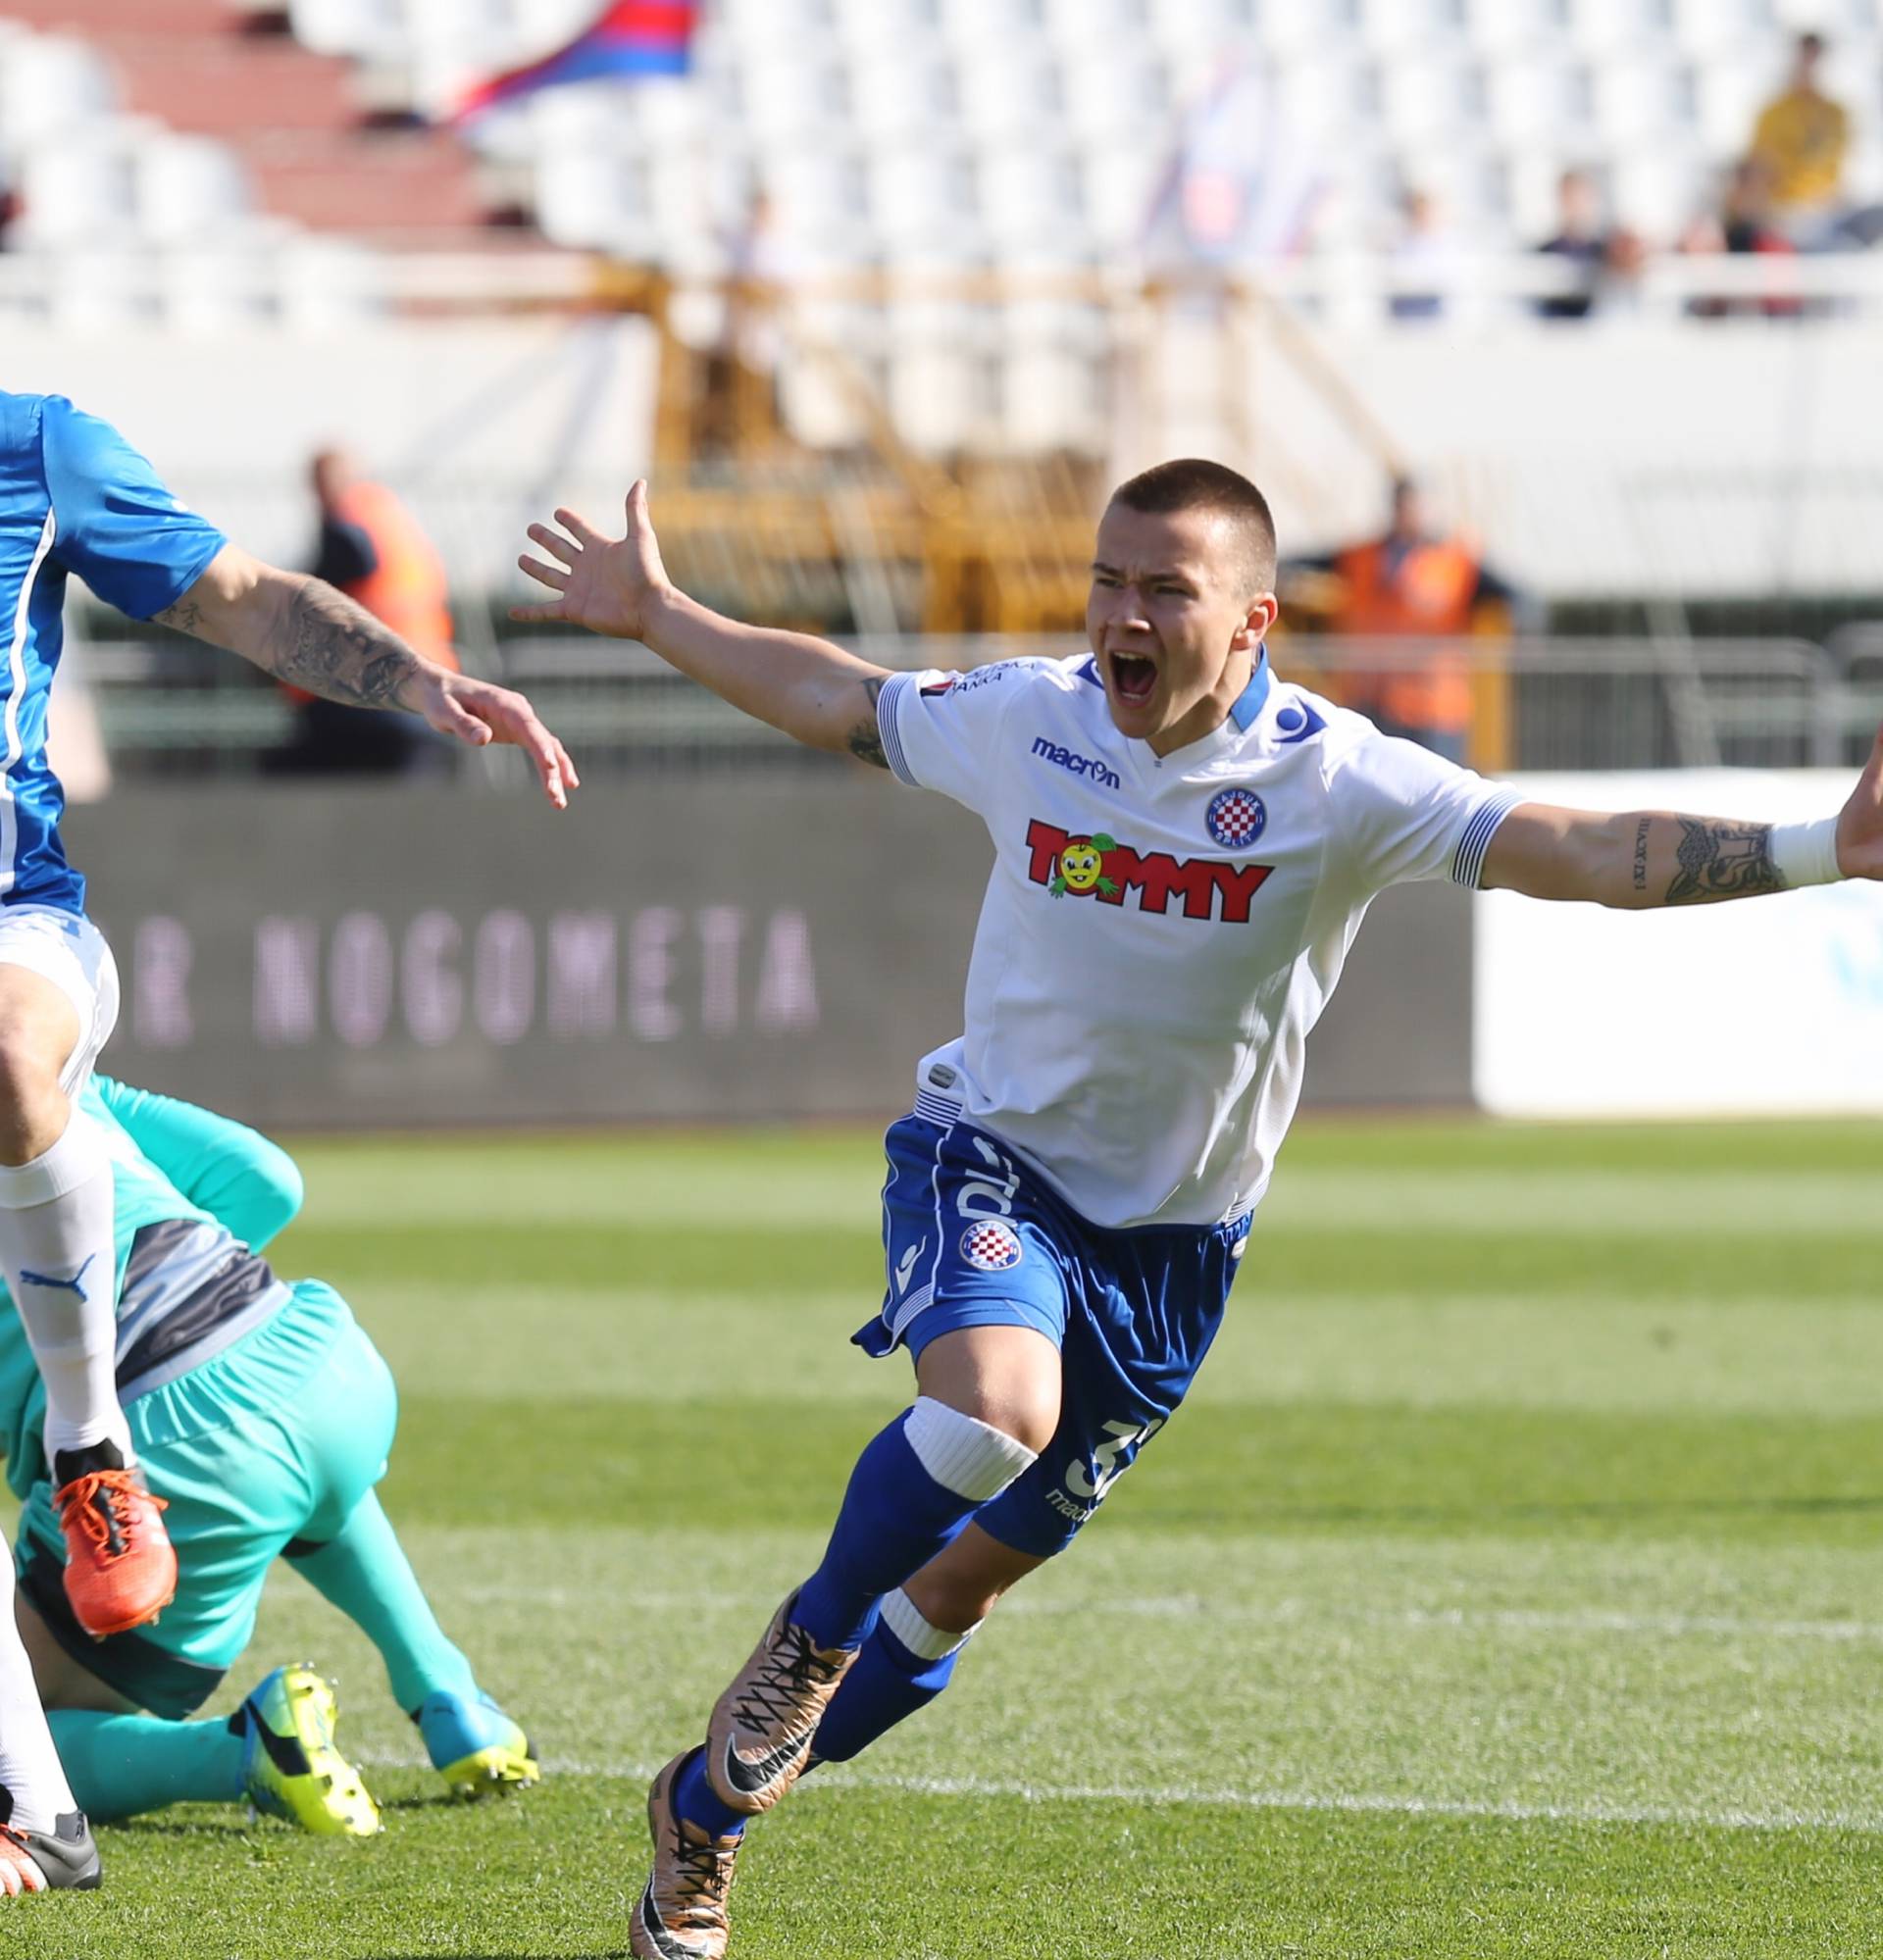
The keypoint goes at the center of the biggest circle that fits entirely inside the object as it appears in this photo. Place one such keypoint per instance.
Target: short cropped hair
(1193, 483)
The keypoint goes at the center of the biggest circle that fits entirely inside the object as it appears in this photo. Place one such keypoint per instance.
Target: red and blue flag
(632, 38)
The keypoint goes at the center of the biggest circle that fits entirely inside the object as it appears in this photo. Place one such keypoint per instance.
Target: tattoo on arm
(1722, 861)
(334, 648)
(185, 617)
(866, 737)
(1646, 825)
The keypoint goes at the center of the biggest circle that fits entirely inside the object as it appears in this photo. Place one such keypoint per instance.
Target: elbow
(277, 1196)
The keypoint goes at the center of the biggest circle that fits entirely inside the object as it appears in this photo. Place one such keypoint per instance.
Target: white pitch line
(1290, 1612)
(1338, 1802)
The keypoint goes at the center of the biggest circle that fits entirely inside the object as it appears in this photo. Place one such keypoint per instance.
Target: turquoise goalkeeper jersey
(197, 1197)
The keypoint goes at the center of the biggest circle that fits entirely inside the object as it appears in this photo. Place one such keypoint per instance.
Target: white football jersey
(1161, 934)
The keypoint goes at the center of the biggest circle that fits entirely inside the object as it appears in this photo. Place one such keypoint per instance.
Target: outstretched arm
(308, 634)
(810, 689)
(1650, 858)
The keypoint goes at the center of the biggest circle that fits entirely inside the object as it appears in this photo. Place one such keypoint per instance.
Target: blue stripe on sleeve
(1467, 865)
(888, 710)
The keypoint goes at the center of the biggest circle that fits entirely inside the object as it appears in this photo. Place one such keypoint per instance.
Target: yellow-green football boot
(474, 1746)
(292, 1766)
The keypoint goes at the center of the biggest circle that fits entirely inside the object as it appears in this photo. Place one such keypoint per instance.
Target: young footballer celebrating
(1185, 845)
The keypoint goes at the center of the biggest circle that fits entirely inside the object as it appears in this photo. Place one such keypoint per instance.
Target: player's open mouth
(1132, 675)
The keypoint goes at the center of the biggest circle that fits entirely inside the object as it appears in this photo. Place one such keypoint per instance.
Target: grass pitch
(1510, 1585)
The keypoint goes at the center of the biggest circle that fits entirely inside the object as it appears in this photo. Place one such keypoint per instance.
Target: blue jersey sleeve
(114, 522)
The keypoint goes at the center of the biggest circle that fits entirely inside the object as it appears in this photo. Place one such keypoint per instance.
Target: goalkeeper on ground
(263, 1416)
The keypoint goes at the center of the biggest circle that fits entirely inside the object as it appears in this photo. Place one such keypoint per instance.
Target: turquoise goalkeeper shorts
(273, 1439)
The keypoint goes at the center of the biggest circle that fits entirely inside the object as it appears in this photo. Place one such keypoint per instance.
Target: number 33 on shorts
(1093, 1481)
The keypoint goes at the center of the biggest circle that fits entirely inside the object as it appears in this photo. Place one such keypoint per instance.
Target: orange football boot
(121, 1571)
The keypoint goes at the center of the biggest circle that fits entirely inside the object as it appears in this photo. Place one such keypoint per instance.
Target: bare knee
(1007, 1376)
(964, 1582)
(38, 1030)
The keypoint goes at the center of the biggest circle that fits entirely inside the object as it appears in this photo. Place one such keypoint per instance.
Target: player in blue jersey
(1185, 845)
(263, 1416)
(76, 498)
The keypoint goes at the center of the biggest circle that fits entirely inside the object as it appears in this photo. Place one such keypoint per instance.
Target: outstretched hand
(478, 713)
(607, 584)
(1860, 827)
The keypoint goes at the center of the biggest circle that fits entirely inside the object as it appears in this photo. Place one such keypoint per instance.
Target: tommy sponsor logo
(1101, 867)
(1074, 763)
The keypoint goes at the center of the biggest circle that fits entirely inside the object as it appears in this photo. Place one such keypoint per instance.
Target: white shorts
(71, 952)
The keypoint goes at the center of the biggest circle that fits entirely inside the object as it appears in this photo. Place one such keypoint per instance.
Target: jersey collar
(1250, 702)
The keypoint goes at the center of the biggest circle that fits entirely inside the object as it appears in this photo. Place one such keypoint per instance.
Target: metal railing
(1536, 703)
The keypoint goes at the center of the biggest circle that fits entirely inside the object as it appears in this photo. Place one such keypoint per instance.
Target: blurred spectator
(1424, 251)
(740, 407)
(1801, 140)
(1744, 225)
(1607, 258)
(1412, 583)
(372, 547)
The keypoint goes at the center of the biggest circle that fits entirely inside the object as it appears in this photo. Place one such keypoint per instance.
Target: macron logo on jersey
(1077, 764)
(1101, 867)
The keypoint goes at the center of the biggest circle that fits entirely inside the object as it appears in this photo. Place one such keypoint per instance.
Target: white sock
(61, 1262)
(926, 1642)
(31, 1771)
(962, 1454)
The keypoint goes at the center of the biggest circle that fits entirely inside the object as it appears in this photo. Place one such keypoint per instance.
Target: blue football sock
(694, 1800)
(885, 1685)
(121, 1765)
(365, 1573)
(895, 1518)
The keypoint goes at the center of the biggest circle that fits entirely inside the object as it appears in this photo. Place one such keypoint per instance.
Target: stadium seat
(1705, 26)
(910, 92)
(870, 24)
(367, 29)
(1430, 104)
(188, 189)
(1033, 200)
(1049, 360)
(1120, 187)
(49, 84)
(1406, 26)
(1507, 26)
(940, 381)
(1128, 100)
(1644, 98)
(1539, 100)
(1728, 92)
(82, 190)
(1298, 27)
(1011, 98)
(924, 199)
(822, 194)
(1606, 27)
(1659, 192)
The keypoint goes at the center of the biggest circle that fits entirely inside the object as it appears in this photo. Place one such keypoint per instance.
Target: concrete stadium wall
(686, 949)
(1768, 1008)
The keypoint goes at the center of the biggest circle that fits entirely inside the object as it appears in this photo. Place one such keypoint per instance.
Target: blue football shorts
(974, 1237)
